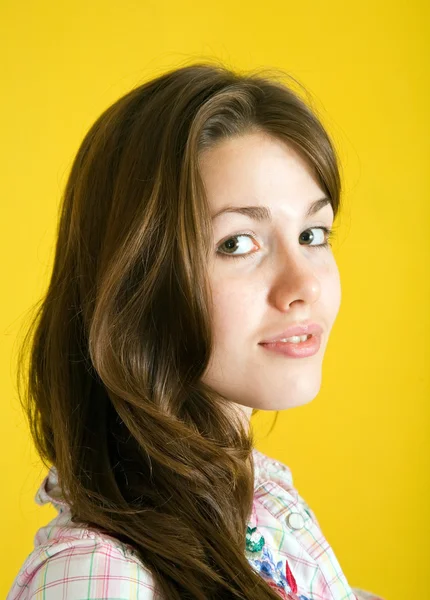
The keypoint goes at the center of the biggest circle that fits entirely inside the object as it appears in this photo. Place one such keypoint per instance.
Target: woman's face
(270, 278)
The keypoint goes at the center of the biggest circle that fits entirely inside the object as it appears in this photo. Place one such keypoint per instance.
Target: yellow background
(359, 452)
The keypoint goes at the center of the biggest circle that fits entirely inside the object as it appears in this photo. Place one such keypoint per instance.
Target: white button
(295, 520)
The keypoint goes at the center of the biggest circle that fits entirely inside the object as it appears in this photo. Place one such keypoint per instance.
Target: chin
(298, 394)
(286, 403)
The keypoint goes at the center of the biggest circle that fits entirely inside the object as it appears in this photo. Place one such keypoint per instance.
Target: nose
(295, 280)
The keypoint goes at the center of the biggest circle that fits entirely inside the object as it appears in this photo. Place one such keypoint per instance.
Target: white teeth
(296, 339)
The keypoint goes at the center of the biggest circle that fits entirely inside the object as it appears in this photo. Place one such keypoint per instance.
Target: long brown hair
(146, 452)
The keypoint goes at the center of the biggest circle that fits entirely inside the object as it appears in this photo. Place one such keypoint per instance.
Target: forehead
(258, 169)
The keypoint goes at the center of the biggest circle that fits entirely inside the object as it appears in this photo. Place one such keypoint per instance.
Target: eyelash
(329, 232)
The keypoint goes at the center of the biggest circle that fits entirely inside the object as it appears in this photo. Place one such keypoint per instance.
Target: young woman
(193, 283)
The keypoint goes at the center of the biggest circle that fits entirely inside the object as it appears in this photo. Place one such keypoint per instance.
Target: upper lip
(298, 329)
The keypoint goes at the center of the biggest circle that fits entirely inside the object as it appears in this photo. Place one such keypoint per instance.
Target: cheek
(235, 305)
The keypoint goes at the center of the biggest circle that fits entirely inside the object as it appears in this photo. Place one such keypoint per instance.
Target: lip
(301, 350)
(303, 329)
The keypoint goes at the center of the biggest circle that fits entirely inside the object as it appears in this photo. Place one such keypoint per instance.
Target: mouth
(291, 333)
(296, 346)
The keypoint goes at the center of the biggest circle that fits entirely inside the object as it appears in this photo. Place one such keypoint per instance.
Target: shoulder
(90, 566)
(71, 561)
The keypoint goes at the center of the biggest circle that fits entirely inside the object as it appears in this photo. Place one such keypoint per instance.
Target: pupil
(307, 234)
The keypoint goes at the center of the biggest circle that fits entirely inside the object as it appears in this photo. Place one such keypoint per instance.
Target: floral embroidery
(254, 540)
(277, 575)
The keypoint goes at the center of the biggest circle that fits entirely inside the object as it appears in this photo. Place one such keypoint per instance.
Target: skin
(282, 281)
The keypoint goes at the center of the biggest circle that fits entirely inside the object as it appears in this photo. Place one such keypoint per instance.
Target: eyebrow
(263, 213)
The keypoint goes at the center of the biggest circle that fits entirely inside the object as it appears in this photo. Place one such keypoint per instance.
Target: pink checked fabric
(284, 544)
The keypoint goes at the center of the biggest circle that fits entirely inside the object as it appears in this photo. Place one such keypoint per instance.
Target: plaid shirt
(284, 544)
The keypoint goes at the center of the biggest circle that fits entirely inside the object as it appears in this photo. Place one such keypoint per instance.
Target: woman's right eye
(231, 245)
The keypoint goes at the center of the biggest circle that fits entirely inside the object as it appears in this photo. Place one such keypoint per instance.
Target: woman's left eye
(307, 236)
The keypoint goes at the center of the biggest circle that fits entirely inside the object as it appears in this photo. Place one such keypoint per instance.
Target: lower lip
(300, 350)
